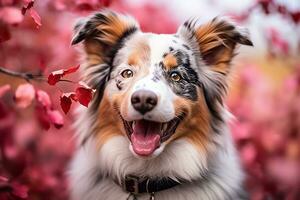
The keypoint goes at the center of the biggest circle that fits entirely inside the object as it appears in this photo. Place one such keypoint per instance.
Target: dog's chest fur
(216, 176)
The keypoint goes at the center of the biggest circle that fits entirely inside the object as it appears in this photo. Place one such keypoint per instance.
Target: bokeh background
(264, 95)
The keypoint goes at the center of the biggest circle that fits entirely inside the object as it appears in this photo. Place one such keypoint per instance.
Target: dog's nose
(143, 100)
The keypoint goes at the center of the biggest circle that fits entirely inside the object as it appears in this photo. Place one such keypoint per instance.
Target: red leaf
(71, 70)
(36, 17)
(24, 95)
(84, 94)
(73, 96)
(56, 118)
(4, 89)
(66, 102)
(55, 76)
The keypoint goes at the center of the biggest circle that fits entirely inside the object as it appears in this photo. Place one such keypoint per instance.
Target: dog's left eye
(127, 73)
(175, 76)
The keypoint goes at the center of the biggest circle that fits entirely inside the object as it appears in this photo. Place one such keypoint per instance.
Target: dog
(157, 127)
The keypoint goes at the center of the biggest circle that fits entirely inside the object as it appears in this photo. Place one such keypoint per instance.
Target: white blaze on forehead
(160, 44)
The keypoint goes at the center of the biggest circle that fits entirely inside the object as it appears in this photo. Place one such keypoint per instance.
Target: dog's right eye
(175, 77)
(127, 73)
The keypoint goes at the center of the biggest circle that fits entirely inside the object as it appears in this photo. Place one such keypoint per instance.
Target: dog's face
(153, 87)
(157, 88)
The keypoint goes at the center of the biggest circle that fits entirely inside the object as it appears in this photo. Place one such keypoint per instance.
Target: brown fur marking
(170, 61)
(114, 28)
(195, 127)
(93, 52)
(109, 124)
(216, 42)
(140, 54)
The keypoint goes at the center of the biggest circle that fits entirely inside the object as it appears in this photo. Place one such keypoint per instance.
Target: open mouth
(146, 136)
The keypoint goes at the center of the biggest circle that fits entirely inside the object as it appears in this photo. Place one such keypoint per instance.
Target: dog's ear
(216, 41)
(107, 26)
(102, 35)
(105, 30)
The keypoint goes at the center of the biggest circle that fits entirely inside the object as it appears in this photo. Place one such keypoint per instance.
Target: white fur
(179, 159)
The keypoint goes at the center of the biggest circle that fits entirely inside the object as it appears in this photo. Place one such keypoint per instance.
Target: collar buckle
(131, 184)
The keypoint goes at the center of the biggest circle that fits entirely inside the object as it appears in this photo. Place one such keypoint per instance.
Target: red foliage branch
(25, 94)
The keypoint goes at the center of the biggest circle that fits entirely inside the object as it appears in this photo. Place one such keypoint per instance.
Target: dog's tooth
(133, 124)
(165, 126)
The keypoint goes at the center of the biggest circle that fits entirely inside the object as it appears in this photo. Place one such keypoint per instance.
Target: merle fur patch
(187, 86)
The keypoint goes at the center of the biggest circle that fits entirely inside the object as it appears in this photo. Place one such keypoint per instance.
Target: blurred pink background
(264, 95)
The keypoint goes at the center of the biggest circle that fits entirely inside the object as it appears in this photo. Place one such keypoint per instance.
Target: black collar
(139, 185)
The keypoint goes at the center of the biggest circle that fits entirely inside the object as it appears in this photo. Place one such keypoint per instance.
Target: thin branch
(27, 76)
(66, 80)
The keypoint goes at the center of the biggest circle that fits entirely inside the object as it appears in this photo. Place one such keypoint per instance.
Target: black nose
(143, 100)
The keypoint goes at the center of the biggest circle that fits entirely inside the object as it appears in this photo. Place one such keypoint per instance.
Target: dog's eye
(175, 76)
(127, 73)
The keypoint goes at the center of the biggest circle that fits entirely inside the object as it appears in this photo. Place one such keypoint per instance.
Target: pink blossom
(24, 95)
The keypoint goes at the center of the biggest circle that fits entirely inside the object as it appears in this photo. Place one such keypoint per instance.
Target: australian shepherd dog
(157, 126)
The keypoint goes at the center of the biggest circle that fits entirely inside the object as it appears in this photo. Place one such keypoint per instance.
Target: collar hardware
(131, 184)
(140, 185)
(152, 196)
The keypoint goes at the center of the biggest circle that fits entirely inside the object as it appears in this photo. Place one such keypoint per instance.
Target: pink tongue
(145, 137)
